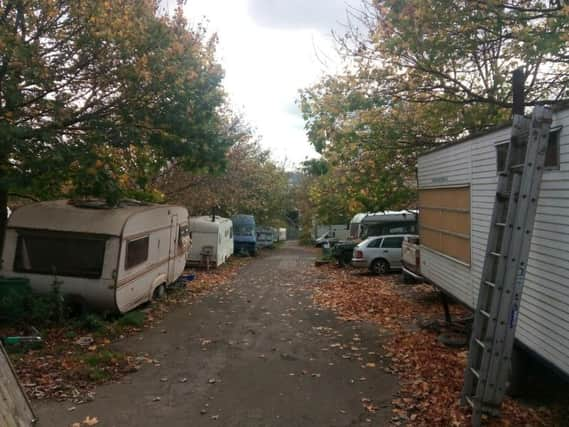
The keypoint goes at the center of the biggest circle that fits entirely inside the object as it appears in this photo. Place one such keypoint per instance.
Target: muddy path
(252, 353)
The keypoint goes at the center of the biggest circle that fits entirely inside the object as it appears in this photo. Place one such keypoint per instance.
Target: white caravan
(211, 235)
(108, 258)
(457, 187)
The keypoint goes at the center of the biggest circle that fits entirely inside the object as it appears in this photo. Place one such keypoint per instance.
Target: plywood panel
(453, 198)
(445, 221)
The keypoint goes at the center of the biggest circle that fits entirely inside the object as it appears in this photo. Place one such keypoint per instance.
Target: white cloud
(270, 49)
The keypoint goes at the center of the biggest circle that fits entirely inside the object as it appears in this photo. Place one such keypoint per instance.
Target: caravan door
(174, 232)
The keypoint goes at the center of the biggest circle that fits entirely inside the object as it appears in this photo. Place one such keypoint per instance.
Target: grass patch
(102, 358)
(98, 375)
(134, 318)
(91, 322)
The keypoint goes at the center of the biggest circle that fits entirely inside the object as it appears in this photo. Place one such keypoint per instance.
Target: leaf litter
(430, 374)
(73, 361)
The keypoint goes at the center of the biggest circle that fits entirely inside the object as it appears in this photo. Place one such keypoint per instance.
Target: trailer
(265, 237)
(457, 187)
(244, 234)
(109, 258)
(212, 240)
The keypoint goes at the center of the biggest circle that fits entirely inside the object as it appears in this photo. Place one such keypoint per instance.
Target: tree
(251, 183)
(108, 87)
(420, 73)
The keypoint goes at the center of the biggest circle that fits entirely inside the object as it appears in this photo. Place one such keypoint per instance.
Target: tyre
(407, 278)
(380, 266)
(159, 292)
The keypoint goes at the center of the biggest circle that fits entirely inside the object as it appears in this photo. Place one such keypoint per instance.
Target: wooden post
(444, 301)
(518, 91)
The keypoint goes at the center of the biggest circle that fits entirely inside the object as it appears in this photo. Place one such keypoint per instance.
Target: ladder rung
(469, 401)
(485, 314)
(496, 254)
(475, 372)
(480, 343)
(518, 166)
(490, 284)
(500, 224)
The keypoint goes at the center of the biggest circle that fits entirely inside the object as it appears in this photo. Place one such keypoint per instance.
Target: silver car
(379, 253)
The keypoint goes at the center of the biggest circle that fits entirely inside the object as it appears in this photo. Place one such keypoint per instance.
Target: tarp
(15, 409)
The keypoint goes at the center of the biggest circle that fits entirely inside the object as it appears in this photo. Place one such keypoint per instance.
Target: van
(110, 258)
(244, 234)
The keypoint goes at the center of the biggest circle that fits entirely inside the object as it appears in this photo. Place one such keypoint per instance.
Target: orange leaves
(430, 374)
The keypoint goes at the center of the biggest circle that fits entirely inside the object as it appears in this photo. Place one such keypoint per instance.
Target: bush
(134, 318)
(19, 305)
(91, 322)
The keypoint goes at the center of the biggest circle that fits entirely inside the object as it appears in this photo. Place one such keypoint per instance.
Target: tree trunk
(3, 220)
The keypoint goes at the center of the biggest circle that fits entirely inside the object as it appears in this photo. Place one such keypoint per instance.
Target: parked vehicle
(265, 237)
(244, 234)
(379, 254)
(110, 258)
(376, 224)
(334, 231)
(212, 238)
(282, 234)
(327, 239)
(355, 227)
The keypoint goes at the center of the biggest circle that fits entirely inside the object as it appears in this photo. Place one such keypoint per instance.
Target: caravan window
(136, 252)
(61, 254)
(551, 155)
(183, 236)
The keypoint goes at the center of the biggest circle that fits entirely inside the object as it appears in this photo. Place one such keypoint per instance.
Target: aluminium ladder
(495, 319)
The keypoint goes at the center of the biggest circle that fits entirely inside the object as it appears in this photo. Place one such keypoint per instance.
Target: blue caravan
(244, 234)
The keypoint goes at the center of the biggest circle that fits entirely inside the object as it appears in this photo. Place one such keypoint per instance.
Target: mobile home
(109, 258)
(244, 234)
(356, 227)
(457, 186)
(265, 237)
(327, 231)
(212, 236)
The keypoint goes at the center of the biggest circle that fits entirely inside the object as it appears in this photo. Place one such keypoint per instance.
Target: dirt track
(252, 353)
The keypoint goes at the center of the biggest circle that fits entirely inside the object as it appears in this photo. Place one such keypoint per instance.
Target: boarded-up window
(445, 221)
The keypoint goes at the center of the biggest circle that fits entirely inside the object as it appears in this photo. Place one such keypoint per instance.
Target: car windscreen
(61, 254)
(244, 230)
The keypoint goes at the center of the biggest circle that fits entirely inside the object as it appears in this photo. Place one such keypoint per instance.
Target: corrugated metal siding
(544, 314)
(451, 275)
(449, 167)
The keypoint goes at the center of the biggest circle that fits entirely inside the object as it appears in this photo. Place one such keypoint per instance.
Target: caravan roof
(358, 218)
(407, 215)
(90, 217)
(205, 223)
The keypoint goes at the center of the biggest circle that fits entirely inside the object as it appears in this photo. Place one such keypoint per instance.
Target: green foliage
(91, 322)
(20, 306)
(133, 318)
(252, 184)
(102, 358)
(97, 97)
(422, 73)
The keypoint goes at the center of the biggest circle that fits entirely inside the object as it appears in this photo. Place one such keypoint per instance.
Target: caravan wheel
(159, 292)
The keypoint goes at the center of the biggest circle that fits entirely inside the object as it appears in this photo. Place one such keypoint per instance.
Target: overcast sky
(270, 49)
